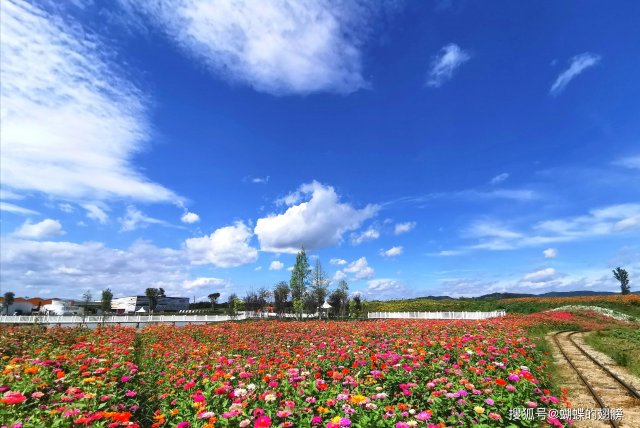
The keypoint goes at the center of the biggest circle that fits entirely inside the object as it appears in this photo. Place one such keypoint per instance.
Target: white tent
(141, 310)
(326, 305)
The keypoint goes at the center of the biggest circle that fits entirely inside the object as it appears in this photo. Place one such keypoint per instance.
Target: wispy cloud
(70, 122)
(392, 252)
(15, 209)
(577, 65)
(499, 178)
(632, 162)
(369, 234)
(136, 219)
(445, 63)
(278, 47)
(401, 228)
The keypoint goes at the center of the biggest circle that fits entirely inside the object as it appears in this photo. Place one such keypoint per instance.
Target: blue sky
(417, 148)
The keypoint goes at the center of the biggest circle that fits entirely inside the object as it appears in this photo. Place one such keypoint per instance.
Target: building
(130, 304)
(61, 307)
(20, 306)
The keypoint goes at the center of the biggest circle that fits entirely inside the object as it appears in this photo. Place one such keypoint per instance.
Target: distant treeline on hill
(512, 302)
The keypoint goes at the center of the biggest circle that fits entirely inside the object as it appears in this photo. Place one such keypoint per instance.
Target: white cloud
(70, 123)
(540, 275)
(360, 269)
(134, 219)
(338, 262)
(67, 208)
(276, 265)
(499, 178)
(376, 287)
(632, 162)
(226, 247)
(258, 268)
(279, 47)
(15, 209)
(8, 195)
(260, 180)
(66, 268)
(190, 217)
(445, 63)
(205, 282)
(577, 65)
(319, 222)
(550, 253)
(404, 227)
(96, 213)
(494, 230)
(367, 235)
(45, 229)
(391, 252)
(339, 276)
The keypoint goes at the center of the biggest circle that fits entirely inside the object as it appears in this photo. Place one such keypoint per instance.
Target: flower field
(391, 373)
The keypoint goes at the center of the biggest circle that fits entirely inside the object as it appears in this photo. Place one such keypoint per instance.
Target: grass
(621, 344)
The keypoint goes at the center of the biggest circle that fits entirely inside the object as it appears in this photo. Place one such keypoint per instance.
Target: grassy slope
(621, 344)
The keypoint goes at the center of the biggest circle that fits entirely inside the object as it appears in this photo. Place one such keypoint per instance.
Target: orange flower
(32, 370)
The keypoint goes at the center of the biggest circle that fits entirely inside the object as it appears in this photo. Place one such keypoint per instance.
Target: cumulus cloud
(391, 252)
(404, 227)
(278, 47)
(190, 217)
(360, 269)
(276, 265)
(338, 262)
(499, 178)
(445, 63)
(45, 229)
(28, 267)
(71, 123)
(366, 235)
(226, 247)
(550, 253)
(577, 65)
(382, 286)
(319, 222)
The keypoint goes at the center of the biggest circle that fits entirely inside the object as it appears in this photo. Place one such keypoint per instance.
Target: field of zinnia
(391, 373)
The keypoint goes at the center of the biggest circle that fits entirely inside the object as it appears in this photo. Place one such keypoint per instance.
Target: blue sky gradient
(417, 148)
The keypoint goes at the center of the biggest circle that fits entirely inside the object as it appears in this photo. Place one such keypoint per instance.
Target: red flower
(501, 382)
(12, 397)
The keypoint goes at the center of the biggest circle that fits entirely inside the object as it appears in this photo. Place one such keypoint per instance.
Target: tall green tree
(105, 302)
(622, 276)
(152, 294)
(339, 299)
(299, 281)
(281, 297)
(86, 299)
(9, 298)
(319, 284)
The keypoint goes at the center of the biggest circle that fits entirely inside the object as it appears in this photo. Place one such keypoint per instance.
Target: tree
(355, 306)
(9, 298)
(161, 292)
(264, 297)
(86, 299)
(281, 297)
(232, 305)
(299, 281)
(339, 298)
(622, 276)
(319, 285)
(152, 294)
(105, 303)
(214, 298)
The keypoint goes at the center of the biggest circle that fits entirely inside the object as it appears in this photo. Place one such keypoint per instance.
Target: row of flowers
(398, 373)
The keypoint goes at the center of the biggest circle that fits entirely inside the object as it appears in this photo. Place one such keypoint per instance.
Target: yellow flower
(479, 410)
(358, 399)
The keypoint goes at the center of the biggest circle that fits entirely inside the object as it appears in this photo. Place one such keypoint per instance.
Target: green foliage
(153, 294)
(298, 307)
(105, 303)
(9, 298)
(621, 344)
(339, 299)
(281, 297)
(213, 297)
(300, 276)
(622, 276)
(319, 284)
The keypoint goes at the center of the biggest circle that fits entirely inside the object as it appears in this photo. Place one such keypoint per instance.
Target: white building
(130, 304)
(61, 307)
(19, 306)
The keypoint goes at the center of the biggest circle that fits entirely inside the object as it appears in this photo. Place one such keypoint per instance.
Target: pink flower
(345, 422)
(423, 416)
(130, 393)
(12, 397)
(263, 421)
(183, 425)
(316, 420)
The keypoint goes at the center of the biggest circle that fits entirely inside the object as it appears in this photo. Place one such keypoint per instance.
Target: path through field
(612, 395)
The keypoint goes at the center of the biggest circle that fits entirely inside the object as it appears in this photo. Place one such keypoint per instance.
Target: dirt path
(612, 394)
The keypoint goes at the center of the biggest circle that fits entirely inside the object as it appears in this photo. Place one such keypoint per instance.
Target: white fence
(447, 315)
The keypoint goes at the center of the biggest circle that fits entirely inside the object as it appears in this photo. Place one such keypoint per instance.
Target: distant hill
(498, 296)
